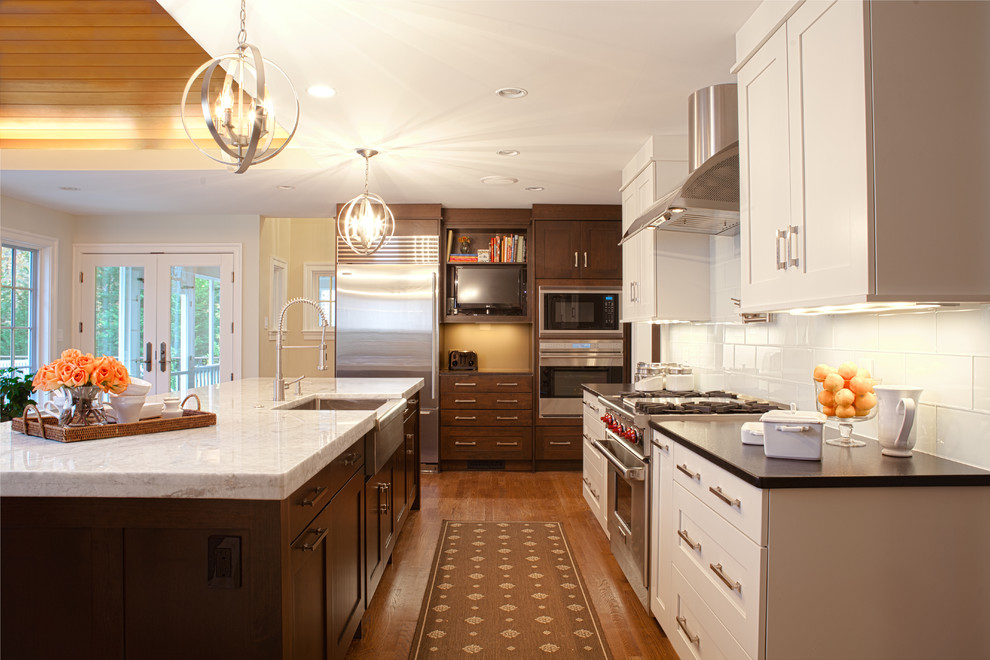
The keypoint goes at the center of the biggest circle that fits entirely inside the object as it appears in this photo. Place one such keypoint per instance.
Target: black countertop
(840, 467)
(607, 389)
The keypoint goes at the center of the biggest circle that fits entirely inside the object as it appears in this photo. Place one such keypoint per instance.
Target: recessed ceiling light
(534, 188)
(511, 92)
(70, 188)
(508, 152)
(286, 187)
(321, 91)
(498, 180)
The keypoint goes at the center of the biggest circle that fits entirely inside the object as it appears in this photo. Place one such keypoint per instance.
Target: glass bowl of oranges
(845, 395)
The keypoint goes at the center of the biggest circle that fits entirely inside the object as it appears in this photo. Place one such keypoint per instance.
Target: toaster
(462, 361)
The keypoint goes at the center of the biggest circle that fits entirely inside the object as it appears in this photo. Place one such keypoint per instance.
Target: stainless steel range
(626, 448)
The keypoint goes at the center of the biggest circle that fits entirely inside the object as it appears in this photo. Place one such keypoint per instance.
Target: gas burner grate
(656, 394)
(704, 407)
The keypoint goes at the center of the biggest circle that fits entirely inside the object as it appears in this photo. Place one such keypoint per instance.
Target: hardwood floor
(390, 622)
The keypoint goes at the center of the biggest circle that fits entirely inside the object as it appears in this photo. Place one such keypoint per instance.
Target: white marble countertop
(253, 452)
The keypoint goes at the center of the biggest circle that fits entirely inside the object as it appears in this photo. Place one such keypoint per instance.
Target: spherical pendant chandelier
(366, 222)
(238, 107)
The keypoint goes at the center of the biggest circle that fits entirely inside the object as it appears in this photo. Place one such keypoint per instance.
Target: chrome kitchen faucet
(280, 383)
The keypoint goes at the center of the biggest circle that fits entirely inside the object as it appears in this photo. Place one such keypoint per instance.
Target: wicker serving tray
(46, 426)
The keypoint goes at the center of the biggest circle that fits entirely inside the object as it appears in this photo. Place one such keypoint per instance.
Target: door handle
(585, 259)
(163, 358)
(147, 358)
(575, 259)
(792, 232)
(781, 236)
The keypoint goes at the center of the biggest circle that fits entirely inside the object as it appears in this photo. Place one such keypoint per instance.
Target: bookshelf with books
(486, 245)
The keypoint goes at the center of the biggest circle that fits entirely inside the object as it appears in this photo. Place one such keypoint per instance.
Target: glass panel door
(191, 324)
(167, 317)
(116, 310)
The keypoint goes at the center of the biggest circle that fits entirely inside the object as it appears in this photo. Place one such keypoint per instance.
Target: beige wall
(296, 241)
(26, 217)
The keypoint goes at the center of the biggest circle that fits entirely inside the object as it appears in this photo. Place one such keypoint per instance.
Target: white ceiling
(416, 80)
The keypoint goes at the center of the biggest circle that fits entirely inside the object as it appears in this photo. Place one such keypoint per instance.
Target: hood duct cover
(707, 201)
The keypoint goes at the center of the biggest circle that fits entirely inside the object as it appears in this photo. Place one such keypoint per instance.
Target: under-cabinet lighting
(862, 308)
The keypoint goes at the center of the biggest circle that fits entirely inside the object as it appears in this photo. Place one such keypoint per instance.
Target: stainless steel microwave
(579, 311)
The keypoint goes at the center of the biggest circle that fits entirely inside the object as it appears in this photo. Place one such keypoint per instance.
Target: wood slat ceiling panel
(93, 75)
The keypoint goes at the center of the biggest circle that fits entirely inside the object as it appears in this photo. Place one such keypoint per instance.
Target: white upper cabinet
(863, 154)
(664, 273)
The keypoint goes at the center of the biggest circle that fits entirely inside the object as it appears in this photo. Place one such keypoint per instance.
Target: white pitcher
(897, 407)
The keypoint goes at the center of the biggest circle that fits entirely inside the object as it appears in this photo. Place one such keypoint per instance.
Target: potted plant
(15, 389)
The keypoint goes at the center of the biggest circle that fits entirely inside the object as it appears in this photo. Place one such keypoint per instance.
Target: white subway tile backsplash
(756, 333)
(797, 363)
(908, 332)
(963, 331)
(745, 358)
(981, 383)
(855, 331)
(964, 436)
(947, 379)
(946, 352)
(769, 361)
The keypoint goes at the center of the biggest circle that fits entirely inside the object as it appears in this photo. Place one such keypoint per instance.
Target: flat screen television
(489, 289)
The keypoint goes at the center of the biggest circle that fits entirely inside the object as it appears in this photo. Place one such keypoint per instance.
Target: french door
(167, 317)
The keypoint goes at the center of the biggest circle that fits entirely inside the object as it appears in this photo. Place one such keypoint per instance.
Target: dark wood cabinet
(379, 524)
(486, 417)
(577, 241)
(560, 444)
(574, 249)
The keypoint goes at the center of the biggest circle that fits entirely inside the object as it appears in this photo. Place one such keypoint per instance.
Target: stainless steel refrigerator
(387, 321)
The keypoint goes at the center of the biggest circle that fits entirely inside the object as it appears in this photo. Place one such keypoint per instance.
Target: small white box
(752, 433)
(793, 434)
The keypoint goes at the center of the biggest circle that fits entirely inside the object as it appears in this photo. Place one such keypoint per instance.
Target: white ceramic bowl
(137, 387)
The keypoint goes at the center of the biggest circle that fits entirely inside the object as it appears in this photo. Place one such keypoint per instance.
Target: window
(278, 292)
(19, 309)
(319, 285)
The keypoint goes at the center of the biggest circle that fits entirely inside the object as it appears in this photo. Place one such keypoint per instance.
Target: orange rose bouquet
(84, 377)
(78, 369)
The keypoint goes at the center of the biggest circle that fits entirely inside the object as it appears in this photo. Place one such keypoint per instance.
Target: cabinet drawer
(593, 470)
(486, 383)
(732, 498)
(696, 632)
(560, 443)
(483, 418)
(592, 407)
(486, 400)
(503, 443)
(310, 499)
(723, 565)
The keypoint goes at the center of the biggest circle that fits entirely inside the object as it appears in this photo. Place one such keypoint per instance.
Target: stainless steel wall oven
(565, 365)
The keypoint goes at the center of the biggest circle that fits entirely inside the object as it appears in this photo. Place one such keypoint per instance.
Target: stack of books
(510, 248)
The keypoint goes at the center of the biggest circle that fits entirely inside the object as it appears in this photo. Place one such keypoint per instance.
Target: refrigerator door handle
(433, 338)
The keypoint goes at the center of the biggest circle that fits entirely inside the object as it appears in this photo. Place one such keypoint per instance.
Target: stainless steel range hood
(707, 201)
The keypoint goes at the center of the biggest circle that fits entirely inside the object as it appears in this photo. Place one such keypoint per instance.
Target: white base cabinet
(859, 178)
(594, 468)
(887, 573)
(661, 515)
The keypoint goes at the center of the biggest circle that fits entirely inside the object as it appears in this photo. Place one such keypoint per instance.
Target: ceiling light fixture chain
(238, 108)
(366, 223)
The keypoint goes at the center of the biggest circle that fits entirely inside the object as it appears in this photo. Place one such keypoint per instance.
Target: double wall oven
(580, 342)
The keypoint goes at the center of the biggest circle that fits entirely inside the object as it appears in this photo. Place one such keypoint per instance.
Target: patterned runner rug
(506, 590)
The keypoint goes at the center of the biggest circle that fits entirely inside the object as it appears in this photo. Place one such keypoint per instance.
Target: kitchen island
(246, 539)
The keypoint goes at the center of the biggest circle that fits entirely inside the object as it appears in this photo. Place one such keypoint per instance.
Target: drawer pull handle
(731, 584)
(591, 405)
(788, 428)
(310, 499)
(465, 401)
(687, 539)
(506, 384)
(560, 443)
(731, 501)
(499, 417)
(682, 623)
(694, 475)
(506, 400)
(506, 444)
(662, 447)
(321, 533)
(351, 459)
(465, 444)
(457, 417)
(465, 384)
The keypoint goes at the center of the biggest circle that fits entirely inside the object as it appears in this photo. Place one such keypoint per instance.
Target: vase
(465, 247)
(81, 406)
